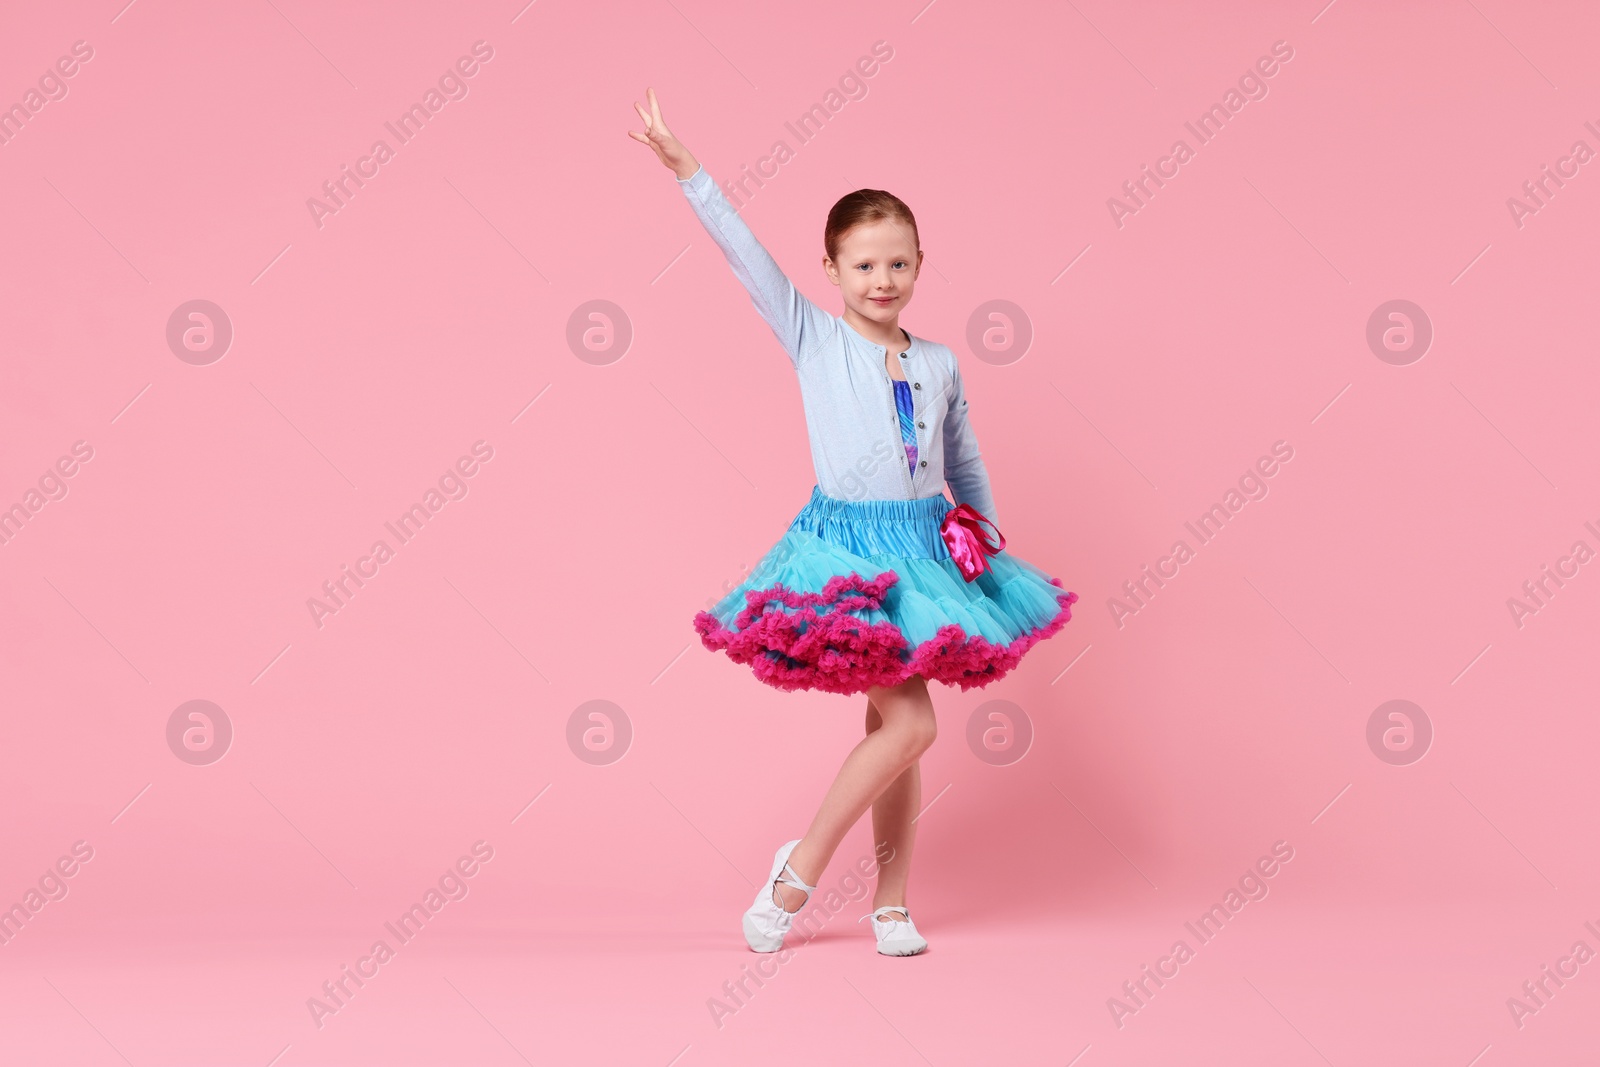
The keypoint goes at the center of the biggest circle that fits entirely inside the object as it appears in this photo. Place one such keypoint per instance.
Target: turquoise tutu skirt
(863, 593)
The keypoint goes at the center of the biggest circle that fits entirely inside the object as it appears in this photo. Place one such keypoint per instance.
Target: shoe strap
(880, 912)
(794, 880)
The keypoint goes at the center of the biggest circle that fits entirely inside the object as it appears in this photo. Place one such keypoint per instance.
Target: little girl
(880, 583)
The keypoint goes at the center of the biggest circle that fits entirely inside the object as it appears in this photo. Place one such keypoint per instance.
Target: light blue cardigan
(848, 396)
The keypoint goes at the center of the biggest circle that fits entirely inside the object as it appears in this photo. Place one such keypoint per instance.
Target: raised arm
(963, 463)
(799, 324)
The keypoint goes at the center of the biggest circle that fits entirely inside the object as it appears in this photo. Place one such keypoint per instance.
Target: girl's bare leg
(893, 831)
(908, 728)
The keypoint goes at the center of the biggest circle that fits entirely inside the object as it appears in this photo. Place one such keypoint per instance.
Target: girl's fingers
(661, 155)
(656, 134)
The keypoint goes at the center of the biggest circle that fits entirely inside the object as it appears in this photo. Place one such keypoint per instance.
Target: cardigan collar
(914, 348)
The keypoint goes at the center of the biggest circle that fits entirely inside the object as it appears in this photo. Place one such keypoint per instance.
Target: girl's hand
(668, 148)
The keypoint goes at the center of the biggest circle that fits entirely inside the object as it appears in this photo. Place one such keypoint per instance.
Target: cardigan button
(919, 423)
(916, 385)
(924, 463)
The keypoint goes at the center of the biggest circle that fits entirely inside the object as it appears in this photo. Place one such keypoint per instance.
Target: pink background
(432, 311)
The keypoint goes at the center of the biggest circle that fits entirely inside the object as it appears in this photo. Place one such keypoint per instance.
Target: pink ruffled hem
(838, 653)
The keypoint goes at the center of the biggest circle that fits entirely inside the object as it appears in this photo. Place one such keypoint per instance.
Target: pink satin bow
(969, 545)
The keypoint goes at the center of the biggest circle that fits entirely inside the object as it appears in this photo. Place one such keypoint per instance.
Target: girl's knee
(906, 712)
(914, 735)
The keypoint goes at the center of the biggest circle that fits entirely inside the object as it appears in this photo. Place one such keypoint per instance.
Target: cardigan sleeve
(799, 324)
(963, 462)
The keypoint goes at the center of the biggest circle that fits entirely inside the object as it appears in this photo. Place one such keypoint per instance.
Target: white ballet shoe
(896, 937)
(766, 922)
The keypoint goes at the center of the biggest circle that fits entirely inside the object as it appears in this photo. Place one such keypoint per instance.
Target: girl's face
(877, 269)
